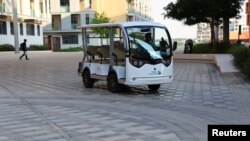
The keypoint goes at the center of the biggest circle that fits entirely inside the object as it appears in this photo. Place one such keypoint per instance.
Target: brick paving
(43, 99)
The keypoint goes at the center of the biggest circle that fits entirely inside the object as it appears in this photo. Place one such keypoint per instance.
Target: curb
(196, 58)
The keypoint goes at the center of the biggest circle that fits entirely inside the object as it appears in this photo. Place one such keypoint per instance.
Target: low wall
(206, 58)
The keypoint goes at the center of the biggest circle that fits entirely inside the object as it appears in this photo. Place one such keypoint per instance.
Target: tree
(213, 12)
(231, 8)
(100, 18)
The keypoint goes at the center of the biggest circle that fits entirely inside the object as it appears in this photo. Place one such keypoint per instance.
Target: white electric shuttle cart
(120, 54)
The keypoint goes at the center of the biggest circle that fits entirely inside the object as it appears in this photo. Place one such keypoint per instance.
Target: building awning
(60, 31)
(5, 17)
(9, 17)
(32, 19)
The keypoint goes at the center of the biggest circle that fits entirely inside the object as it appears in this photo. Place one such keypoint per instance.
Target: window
(56, 22)
(11, 28)
(70, 39)
(38, 30)
(88, 41)
(41, 6)
(64, 5)
(64, 2)
(3, 27)
(21, 29)
(30, 29)
(32, 8)
(21, 7)
(45, 6)
(53, 21)
(90, 3)
(49, 7)
(74, 21)
(82, 7)
(145, 41)
(87, 18)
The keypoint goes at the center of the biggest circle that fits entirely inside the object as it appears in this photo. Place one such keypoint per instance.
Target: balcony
(32, 13)
(56, 27)
(2, 8)
(74, 26)
(64, 8)
(131, 11)
(43, 15)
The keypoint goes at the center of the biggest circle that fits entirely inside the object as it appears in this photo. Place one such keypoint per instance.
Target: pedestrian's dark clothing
(24, 49)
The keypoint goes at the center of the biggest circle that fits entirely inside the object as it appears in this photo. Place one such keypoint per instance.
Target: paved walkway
(43, 99)
(225, 63)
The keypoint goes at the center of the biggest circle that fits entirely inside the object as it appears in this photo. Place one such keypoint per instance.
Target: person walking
(24, 49)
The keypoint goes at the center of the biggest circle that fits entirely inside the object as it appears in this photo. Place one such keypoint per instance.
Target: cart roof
(122, 24)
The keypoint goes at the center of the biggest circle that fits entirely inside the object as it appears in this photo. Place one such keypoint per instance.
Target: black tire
(87, 81)
(112, 83)
(154, 87)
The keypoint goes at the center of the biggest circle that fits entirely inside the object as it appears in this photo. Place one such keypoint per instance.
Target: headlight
(135, 63)
(166, 62)
(141, 63)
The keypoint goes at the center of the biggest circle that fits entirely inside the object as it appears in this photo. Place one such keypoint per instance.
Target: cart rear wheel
(86, 79)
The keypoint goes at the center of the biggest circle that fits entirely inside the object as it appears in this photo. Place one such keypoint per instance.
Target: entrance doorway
(56, 44)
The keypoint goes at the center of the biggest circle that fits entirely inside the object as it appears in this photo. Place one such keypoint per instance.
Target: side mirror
(174, 46)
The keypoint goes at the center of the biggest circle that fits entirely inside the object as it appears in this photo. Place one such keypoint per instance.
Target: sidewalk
(224, 62)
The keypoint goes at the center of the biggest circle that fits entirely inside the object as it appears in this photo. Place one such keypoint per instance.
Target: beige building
(122, 10)
(66, 15)
(31, 15)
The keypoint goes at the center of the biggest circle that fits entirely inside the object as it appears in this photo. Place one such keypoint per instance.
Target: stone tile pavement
(43, 99)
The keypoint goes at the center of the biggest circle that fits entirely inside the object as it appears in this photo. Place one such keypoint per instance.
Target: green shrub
(221, 47)
(241, 54)
(241, 58)
(246, 67)
(7, 47)
(208, 48)
(38, 47)
(203, 48)
(71, 49)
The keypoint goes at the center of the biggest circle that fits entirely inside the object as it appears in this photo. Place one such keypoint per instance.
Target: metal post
(15, 26)
(249, 35)
(239, 33)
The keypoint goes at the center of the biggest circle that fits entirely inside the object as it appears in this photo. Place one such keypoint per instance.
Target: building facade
(203, 32)
(66, 15)
(242, 24)
(31, 14)
(235, 35)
